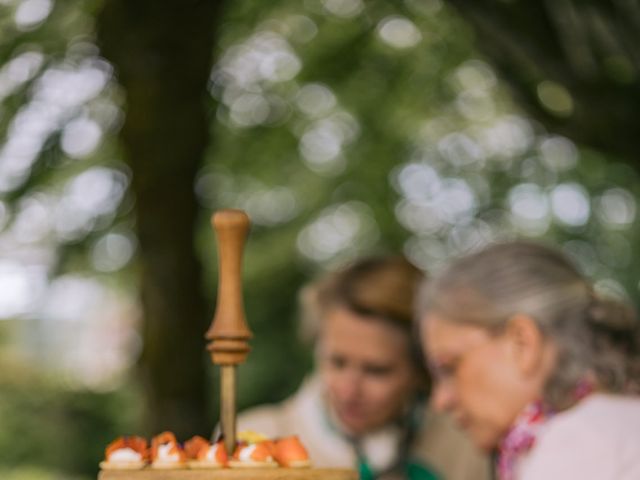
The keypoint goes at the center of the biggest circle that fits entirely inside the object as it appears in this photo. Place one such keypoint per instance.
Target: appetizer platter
(243, 456)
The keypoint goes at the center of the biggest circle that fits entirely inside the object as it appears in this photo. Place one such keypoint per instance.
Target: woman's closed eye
(379, 370)
(337, 362)
(445, 370)
(376, 370)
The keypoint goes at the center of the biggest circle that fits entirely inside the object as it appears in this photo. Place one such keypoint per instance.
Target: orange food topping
(220, 456)
(271, 445)
(166, 438)
(290, 449)
(260, 453)
(193, 447)
(137, 444)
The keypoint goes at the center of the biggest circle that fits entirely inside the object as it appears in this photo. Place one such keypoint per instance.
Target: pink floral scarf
(520, 439)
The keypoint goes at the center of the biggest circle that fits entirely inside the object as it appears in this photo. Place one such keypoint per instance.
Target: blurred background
(342, 127)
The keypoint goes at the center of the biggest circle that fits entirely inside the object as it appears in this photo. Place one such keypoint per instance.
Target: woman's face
(366, 368)
(478, 377)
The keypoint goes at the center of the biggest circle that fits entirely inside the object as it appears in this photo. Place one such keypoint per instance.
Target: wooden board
(233, 474)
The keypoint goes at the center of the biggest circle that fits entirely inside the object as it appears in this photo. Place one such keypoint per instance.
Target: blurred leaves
(576, 67)
(49, 426)
(388, 141)
(343, 127)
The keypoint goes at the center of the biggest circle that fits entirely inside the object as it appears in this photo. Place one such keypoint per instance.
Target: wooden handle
(229, 333)
(232, 474)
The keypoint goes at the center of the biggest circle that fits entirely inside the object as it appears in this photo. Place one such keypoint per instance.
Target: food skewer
(229, 346)
(229, 333)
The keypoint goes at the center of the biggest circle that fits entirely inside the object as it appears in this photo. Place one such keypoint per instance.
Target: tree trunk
(162, 53)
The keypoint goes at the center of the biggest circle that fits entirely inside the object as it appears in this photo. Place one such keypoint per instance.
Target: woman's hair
(596, 338)
(381, 288)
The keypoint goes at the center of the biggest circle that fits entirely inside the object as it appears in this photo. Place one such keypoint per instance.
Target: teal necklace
(404, 467)
(411, 471)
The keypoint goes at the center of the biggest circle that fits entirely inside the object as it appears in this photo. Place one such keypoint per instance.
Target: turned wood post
(229, 333)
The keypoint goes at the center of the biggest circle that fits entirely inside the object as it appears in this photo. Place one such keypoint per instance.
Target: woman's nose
(349, 385)
(442, 396)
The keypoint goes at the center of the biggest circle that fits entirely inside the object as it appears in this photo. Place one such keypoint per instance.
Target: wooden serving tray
(232, 474)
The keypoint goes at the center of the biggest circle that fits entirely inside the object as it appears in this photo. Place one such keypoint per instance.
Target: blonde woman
(365, 404)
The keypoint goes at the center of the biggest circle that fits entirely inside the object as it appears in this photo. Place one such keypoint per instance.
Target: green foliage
(48, 426)
(429, 110)
(342, 133)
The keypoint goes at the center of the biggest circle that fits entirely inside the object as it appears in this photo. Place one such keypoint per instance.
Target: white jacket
(598, 439)
(438, 443)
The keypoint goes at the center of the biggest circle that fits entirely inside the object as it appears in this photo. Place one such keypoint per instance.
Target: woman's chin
(484, 440)
(351, 426)
(355, 425)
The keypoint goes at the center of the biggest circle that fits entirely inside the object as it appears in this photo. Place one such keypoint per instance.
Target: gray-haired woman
(535, 365)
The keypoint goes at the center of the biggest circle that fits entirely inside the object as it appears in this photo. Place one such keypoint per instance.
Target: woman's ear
(526, 343)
